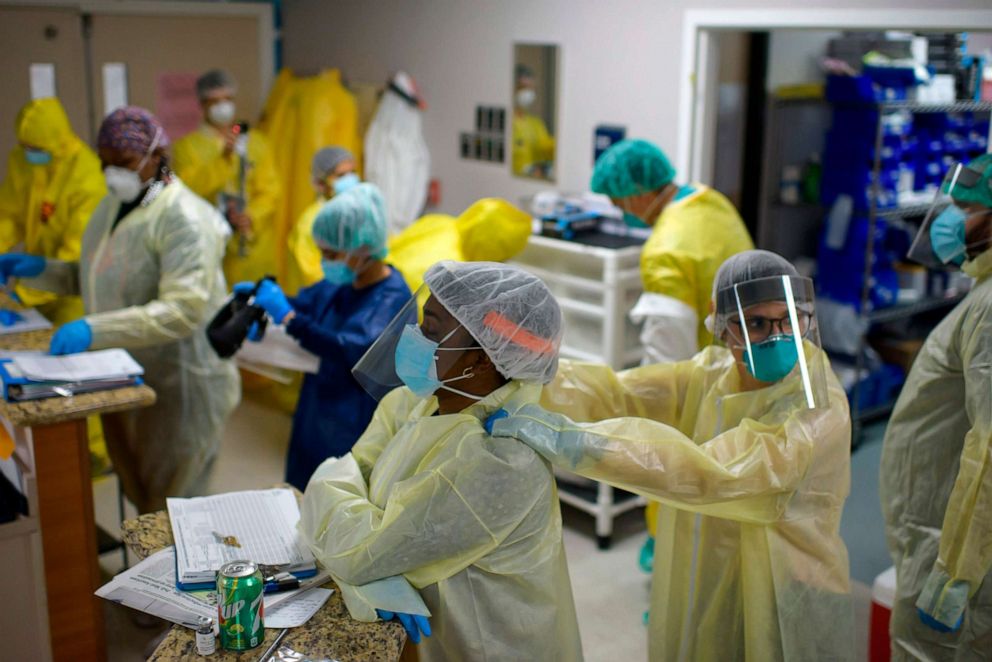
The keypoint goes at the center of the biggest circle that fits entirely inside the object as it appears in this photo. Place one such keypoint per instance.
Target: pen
(282, 581)
(282, 585)
(270, 649)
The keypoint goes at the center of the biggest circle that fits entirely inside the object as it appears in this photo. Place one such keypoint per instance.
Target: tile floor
(611, 593)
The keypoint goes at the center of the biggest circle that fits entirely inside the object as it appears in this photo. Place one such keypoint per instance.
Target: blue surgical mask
(774, 358)
(345, 183)
(416, 363)
(947, 235)
(634, 221)
(337, 272)
(38, 157)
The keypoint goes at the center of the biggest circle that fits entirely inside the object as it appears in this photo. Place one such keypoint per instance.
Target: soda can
(239, 605)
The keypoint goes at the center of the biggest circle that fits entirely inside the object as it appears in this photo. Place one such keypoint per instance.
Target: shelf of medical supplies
(924, 107)
(903, 311)
(859, 415)
(904, 211)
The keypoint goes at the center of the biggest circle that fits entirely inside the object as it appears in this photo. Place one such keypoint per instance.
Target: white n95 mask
(525, 98)
(221, 112)
(123, 183)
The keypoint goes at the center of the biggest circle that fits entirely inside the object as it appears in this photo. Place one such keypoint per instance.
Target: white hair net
(746, 267)
(215, 79)
(511, 313)
(326, 160)
(352, 220)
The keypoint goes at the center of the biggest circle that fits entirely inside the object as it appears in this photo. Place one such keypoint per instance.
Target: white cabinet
(596, 288)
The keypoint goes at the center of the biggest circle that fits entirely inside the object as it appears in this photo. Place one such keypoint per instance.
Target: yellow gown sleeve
(965, 557)
(670, 272)
(13, 199)
(263, 182)
(201, 164)
(186, 280)
(587, 392)
(435, 524)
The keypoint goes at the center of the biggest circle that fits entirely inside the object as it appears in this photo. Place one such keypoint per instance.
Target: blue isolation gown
(337, 323)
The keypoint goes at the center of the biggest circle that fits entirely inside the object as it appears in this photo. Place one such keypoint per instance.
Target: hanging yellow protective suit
(47, 207)
(306, 114)
(490, 230)
(936, 485)
(199, 160)
(151, 283)
(692, 237)
(471, 521)
(749, 563)
(532, 144)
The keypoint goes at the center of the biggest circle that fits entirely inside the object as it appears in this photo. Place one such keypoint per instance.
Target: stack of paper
(277, 350)
(150, 586)
(257, 525)
(27, 376)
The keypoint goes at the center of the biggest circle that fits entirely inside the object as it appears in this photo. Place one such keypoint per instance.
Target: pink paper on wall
(176, 103)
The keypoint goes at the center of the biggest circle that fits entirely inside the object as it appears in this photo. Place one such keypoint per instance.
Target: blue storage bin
(840, 273)
(861, 89)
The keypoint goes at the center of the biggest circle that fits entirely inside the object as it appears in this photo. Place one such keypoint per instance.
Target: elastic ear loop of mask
(466, 373)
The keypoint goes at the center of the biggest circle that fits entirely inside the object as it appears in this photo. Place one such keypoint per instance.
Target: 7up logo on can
(239, 605)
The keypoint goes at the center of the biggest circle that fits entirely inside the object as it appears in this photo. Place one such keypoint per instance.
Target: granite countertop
(331, 633)
(58, 410)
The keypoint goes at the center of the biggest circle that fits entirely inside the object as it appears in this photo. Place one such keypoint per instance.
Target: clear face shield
(423, 357)
(770, 325)
(950, 233)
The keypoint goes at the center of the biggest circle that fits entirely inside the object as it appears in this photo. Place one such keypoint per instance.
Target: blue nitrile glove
(493, 417)
(244, 287)
(254, 332)
(934, 624)
(9, 317)
(414, 624)
(270, 297)
(72, 338)
(20, 265)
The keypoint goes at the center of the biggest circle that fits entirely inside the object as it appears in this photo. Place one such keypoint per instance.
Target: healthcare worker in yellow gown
(694, 229)
(936, 472)
(747, 448)
(533, 150)
(427, 499)
(52, 186)
(333, 170)
(221, 165)
(150, 276)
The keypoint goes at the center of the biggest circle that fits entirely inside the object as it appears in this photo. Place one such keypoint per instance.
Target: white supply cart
(597, 280)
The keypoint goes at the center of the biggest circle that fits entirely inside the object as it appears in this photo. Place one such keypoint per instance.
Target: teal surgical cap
(631, 167)
(353, 220)
(981, 192)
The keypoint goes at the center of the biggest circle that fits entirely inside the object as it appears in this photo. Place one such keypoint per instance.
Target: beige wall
(24, 38)
(619, 65)
(152, 45)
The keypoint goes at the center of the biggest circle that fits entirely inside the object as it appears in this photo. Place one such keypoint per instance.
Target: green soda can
(239, 605)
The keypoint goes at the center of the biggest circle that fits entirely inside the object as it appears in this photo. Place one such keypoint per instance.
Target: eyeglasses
(759, 328)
